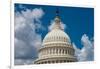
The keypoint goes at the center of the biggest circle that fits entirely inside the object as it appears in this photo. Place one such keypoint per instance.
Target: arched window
(60, 61)
(64, 60)
(52, 61)
(67, 60)
(63, 51)
(64, 39)
(56, 61)
(59, 51)
(66, 52)
(56, 51)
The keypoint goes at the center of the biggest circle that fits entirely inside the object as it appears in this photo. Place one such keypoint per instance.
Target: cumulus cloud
(77, 51)
(23, 61)
(63, 26)
(27, 41)
(87, 52)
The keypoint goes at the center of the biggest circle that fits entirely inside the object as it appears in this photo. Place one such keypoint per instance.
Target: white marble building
(56, 46)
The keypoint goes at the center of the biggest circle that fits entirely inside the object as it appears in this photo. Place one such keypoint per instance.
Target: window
(64, 39)
(53, 50)
(60, 51)
(66, 51)
(63, 51)
(56, 51)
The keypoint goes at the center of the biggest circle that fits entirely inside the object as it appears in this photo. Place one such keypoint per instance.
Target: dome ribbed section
(56, 35)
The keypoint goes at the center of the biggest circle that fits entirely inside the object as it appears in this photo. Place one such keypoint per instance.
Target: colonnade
(56, 51)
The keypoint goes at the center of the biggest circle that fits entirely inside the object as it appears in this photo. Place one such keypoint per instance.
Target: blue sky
(78, 20)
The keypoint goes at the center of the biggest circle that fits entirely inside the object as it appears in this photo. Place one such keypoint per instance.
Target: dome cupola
(57, 34)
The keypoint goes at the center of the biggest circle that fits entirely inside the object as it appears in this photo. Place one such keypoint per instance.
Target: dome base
(55, 60)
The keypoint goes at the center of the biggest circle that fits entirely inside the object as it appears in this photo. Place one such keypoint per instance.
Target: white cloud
(87, 52)
(63, 26)
(27, 40)
(23, 61)
(77, 51)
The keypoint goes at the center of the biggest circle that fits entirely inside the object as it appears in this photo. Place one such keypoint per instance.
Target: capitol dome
(56, 46)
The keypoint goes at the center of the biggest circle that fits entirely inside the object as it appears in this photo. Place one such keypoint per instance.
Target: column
(64, 51)
(55, 51)
(51, 50)
(68, 51)
(46, 51)
(58, 51)
(61, 51)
